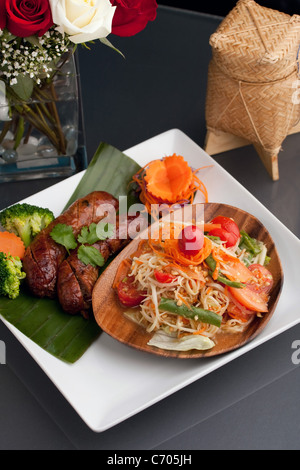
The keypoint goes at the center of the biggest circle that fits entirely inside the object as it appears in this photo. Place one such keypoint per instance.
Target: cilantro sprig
(90, 255)
(63, 235)
(104, 230)
(88, 235)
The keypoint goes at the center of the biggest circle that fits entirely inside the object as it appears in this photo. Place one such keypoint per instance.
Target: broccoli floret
(11, 275)
(25, 220)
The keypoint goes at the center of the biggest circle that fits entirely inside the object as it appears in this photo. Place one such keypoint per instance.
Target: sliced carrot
(183, 300)
(169, 178)
(222, 256)
(209, 226)
(11, 244)
(168, 181)
(122, 272)
(172, 249)
(215, 274)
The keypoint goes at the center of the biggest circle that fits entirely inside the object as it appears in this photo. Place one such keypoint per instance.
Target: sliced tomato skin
(228, 224)
(236, 310)
(263, 278)
(237, 272)
(128, 293)
(164, 278)
(250, 298)
(229, 231)
(259, 282)
(191, 240)
(227, 237)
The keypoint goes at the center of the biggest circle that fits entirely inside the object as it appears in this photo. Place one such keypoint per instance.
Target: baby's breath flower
(31, 58)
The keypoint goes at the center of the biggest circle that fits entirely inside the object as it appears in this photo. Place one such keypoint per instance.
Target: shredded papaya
(200, 332)
(183, 300)
(192, 274)
(11, 244)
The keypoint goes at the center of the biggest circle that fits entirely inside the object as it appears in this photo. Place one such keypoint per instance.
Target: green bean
(226, 281)
(211, 262)
(194, 313)
(249, 243)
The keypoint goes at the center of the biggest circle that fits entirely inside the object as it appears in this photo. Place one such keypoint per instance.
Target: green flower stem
(41, 114)
(43, 100)
(29, 130)
(57, 120)
(19, 132)
(34, 119)
(5, 130)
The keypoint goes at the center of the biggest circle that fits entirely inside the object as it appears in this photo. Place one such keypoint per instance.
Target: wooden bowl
(109, 313)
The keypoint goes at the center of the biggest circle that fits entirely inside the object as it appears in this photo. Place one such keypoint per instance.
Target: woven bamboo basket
(253, 82)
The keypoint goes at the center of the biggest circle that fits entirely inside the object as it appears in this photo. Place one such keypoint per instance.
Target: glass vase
(44, 136)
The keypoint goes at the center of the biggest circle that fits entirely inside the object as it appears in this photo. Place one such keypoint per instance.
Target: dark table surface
(250, 403)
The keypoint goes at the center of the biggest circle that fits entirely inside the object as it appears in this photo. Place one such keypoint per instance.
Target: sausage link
(44, 256)
(76, 280)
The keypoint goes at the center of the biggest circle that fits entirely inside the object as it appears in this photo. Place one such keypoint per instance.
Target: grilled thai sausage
(44, 256)
(75, 280)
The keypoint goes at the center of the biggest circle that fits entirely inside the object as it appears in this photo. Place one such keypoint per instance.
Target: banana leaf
(42, 320)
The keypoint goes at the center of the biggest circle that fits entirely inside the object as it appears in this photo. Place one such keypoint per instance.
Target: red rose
(132, 16)
(2, 14)
(27, 17)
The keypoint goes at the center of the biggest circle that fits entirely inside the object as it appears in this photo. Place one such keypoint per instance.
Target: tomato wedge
(263, 281)
(236, 271)
(250, 298)
(254, 296)
(164, 278)
(229, 231)
(237, 311)
(258, 282)
(128, 293)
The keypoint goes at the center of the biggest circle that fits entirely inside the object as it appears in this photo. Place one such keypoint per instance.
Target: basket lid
(256, 44)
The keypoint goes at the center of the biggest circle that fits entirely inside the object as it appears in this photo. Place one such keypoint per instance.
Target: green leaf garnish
(90, 255)
(104, 230)
(88, 235)
(63, 234)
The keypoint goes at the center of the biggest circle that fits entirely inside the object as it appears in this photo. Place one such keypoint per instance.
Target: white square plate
(111, 381)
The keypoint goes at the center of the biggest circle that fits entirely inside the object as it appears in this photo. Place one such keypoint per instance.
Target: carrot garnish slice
(168, 181)
(11, 244)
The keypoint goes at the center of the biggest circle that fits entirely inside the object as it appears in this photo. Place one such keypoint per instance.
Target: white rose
(83, 20)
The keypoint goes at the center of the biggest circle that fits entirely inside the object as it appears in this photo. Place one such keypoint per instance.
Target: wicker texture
(253, 74)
